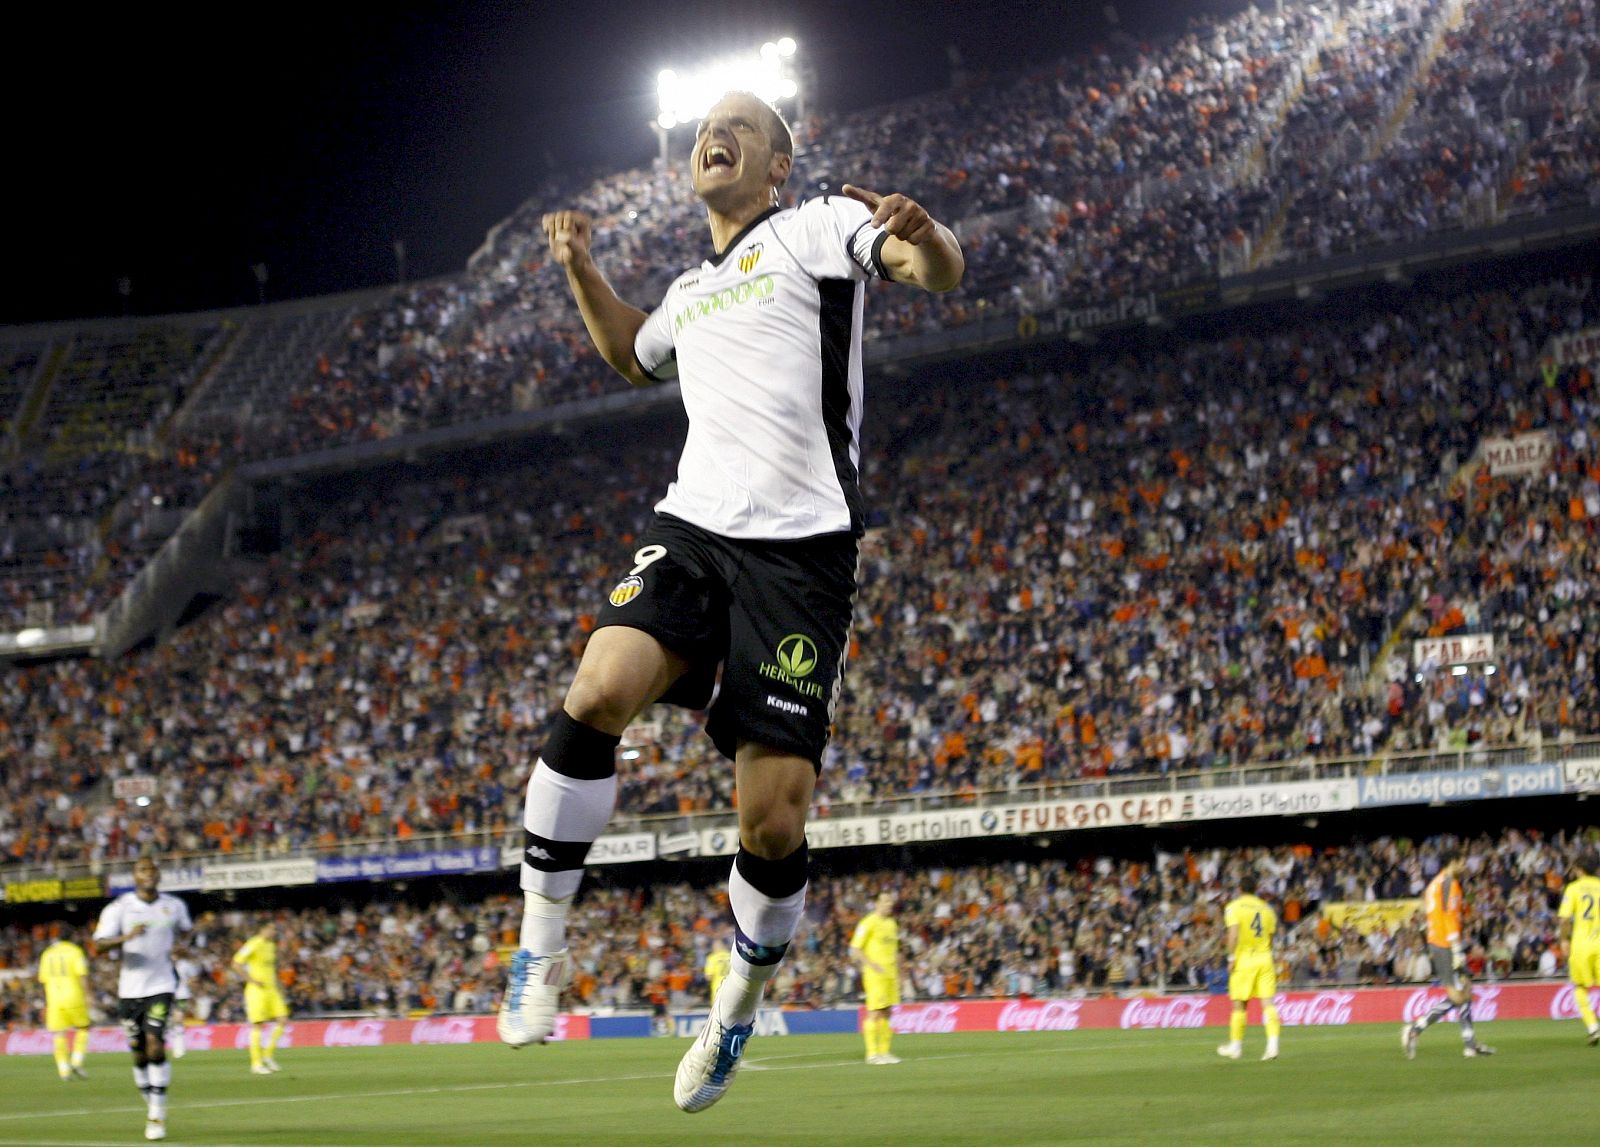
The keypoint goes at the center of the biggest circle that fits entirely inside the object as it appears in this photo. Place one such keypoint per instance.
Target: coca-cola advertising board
(309, 1033)
(1331, 1008)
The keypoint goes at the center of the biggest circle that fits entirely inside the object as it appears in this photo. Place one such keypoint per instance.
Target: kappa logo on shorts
(749, 258)
(627, 589)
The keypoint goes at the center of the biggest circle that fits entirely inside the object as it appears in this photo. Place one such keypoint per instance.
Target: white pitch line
(124, 1143)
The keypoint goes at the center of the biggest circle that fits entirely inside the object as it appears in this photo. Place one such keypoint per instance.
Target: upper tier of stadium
(1138, 556)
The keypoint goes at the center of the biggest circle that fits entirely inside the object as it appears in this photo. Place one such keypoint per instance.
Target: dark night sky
(178, 153)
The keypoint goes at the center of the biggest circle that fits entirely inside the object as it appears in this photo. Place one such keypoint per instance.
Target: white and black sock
(571, 794)
(768, 898)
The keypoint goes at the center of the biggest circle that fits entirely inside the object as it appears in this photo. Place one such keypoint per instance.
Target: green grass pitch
(1332, 1086)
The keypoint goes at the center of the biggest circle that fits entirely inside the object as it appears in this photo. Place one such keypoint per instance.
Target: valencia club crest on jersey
(749, 257)
(627, 589)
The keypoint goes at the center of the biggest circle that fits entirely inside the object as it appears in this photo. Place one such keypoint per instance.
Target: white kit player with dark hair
(144, 923)
(750, 563)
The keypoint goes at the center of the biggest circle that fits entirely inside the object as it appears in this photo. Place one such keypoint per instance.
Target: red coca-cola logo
(1044, 1016)
(357, 1033)
(1564, 1004)
(1485, 1003)
(926, 1019)
(30, 1043)
(1325, 1009)
(451, 1029)
(1178, 1012)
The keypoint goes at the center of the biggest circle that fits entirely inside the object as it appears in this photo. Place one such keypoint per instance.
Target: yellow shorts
(66, 1018)
(1252, 980)
(1584, 969)
(881, 991)
(263, 1004)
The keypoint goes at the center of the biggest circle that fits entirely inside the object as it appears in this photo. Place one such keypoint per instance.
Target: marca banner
(1582, 346)
(485, 858)
(263, 874)
(33, 891)
(1525, 454)
(1369, 915)
(1467, 649)
(1467, 785)
(1295, 798)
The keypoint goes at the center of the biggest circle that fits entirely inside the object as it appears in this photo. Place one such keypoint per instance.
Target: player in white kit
(750, 564)
(144, 923)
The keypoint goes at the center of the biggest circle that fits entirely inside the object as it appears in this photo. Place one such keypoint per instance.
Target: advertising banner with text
(1466, 785)
(1297, 1009)
(1327, 1008)
(1294, 798)
(445, 862)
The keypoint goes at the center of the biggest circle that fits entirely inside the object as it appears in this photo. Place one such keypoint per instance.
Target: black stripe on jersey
(835, 320)
(646, 371)
(850, 244)
(877, 257)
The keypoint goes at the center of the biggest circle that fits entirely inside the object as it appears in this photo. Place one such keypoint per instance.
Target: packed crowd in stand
(1199, 570)
(1053, 927)
(1123, 169)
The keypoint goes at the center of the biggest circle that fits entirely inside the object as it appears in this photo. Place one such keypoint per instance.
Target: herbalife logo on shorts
(796, 659)
(726, 299)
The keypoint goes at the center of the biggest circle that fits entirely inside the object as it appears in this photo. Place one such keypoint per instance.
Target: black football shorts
(775, 615)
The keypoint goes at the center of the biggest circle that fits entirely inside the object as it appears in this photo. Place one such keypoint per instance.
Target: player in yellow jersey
(1251, 924)
(257, 962)
(1580, 930)
(875, 949)
(718, 961)
(1445, 906)
(64, 972)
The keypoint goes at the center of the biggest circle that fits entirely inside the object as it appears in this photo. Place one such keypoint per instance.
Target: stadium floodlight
(685, 95)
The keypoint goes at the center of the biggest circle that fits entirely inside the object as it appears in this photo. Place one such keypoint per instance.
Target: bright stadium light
(684, 96)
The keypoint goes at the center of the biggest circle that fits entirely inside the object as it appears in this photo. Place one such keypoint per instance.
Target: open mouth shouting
(718, 157)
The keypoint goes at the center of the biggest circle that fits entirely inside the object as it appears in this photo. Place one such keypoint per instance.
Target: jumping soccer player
(64, 972)
(144, 923)
(750, 563)
(1580, 933)
(1251, 924)
(875, 948)
(1444, 904)
(256, 961)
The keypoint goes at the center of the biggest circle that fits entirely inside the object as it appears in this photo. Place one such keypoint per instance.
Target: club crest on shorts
(749, 258)
(627, 589)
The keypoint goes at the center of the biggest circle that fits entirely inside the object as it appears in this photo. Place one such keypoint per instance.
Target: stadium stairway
(33, 405)
(1265, 252)
(1407, 102)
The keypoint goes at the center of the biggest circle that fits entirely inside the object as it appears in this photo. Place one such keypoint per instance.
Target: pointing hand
(897, 214)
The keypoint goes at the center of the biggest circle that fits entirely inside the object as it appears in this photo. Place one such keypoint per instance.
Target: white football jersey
(765, 341)
(147, 958)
